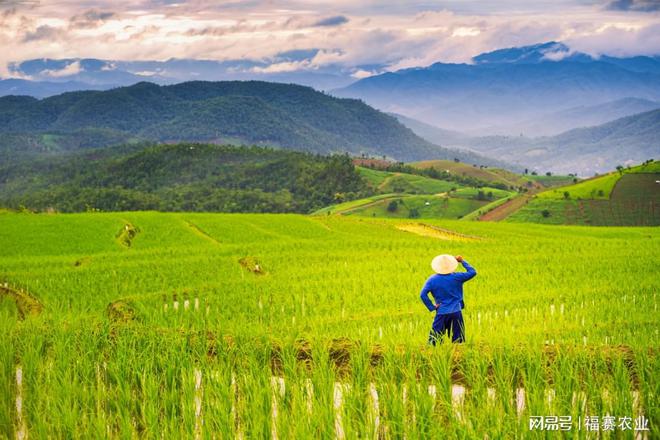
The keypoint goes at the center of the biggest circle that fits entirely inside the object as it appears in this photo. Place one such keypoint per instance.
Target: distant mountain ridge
(507, 86)
(238, 112)
(588, 115)
(43, 77)
(585, 151)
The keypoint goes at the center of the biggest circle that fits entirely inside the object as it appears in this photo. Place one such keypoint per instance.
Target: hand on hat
(459, 258)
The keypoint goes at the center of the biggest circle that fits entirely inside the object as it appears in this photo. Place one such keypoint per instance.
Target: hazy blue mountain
(588, 115)
(537, 53)
(42, 89)
(433, 134)
(636, 64)
(95, 74)
(238, 112)
(504, 87)
(585, 151)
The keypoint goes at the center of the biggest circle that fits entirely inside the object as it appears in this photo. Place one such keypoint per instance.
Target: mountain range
(43, 77)
(583, 151)
(535, 90)
(544, 107)
(235, 112)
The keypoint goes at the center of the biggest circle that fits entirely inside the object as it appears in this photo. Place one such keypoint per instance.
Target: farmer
(446, 286)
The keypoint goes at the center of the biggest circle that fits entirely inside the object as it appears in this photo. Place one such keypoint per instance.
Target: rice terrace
(334, 220)
(178, 335)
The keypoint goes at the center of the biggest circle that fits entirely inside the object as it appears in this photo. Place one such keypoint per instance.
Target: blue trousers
(450, 324)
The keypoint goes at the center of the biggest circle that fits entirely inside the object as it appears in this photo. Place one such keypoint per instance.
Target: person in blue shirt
(446, 287)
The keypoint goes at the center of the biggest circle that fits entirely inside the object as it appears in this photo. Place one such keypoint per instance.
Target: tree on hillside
(392, 206)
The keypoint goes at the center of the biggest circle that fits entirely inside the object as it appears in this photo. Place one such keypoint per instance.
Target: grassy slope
(467, 193)
(598, 188)
(463, 169)
(386, 181)
(617, 199)
(550, 181)
(408, 189)
(437, 207)
(476, 214)
(346, 206)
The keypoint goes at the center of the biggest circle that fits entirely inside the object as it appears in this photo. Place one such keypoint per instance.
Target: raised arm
(469, 274)
(424, 295)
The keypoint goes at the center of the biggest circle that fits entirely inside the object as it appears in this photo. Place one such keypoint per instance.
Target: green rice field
(222, 326)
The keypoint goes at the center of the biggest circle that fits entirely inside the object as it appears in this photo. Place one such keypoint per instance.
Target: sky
(353, 34)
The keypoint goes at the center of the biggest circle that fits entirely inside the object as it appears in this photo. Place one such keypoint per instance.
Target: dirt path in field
(387, 179)
(366, 205)
(26, 304)
(506, 209)
(435, 232)
(201, 233)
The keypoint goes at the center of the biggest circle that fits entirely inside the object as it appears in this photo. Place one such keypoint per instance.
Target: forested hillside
(236, 112)
(181, 177)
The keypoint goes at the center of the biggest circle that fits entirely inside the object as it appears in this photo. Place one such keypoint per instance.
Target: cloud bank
(360, 37)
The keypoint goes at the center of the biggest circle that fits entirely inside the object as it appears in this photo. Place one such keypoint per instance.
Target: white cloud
(360, 73)
(70, 69)
(401, 34)
(284, 67)
(465, 32)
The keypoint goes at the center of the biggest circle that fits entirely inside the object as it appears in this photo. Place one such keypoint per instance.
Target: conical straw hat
(444, 264)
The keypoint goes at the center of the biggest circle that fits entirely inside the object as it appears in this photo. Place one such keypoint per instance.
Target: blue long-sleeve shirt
(447, 290)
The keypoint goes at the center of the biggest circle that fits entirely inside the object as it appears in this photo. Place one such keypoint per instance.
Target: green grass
(374, 177)
(391, 182)
(650, 167)
(598, 188)
(589, 212)
(416, 184)
(494, 175)
(563, 308)
(629, 198)
(474, 192)
(427, 206)
(474, 215)
(550, 181)
(345, 206)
